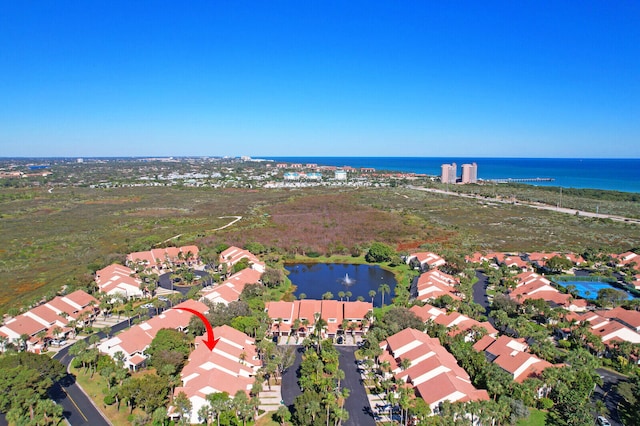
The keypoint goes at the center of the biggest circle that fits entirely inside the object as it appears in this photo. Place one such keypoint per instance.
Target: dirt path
(235, 219)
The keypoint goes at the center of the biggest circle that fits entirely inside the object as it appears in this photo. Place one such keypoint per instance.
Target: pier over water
(516, 180)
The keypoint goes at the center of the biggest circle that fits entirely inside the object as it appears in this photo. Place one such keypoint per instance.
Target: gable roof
(427, 257)
(434, 372)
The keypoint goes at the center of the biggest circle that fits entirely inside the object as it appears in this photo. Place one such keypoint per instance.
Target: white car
(602, 421)
(147, 305)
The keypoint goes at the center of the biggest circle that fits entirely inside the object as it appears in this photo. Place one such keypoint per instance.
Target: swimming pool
(589, 289)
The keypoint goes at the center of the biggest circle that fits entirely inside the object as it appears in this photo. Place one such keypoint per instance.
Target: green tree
(183, 407)
(240, 265)
(273, 277)
(169, 347)
(379, 252)
(282, 415)
(25, 379)
(557, 264)
(384, 288)
(611, 296)
(220, 404)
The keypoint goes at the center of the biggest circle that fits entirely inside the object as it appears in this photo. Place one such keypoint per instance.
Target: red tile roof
(426, 312)
(630, 318)
(429, 258)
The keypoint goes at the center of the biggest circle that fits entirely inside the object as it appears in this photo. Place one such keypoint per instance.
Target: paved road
(164, 281)
(608, 394)
(357, 404)
(78, 408)
(480, 292)
(290, 387)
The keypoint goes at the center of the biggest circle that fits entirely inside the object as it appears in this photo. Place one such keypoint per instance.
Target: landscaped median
(95, 387)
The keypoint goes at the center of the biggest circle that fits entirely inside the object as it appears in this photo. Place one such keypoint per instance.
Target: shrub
(109, 400)
(545, 403)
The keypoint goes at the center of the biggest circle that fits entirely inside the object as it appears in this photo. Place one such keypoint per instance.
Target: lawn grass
(536, 418)
(93, 387)
(267, 420)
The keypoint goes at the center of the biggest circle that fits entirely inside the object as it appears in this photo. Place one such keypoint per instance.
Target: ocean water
(609, 174)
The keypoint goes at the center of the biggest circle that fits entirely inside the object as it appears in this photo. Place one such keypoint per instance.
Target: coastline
(618, 174)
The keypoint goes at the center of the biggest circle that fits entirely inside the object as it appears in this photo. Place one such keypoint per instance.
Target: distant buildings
(450, 173)
(470, 173)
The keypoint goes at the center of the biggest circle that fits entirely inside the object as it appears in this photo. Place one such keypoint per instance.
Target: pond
(315, 279)
(589, 289)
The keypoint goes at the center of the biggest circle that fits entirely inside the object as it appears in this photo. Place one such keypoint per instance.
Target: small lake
(315, 279)
(589, 289)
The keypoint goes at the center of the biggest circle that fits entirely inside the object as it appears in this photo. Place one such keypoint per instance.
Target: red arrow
(211, 343)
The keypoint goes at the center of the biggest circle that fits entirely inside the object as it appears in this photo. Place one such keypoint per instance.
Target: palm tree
(327, 296)
(157, 304)
(348, 294)
(41, 336)
(344, 326)
(302, 296)
(22, 340)
(341, 295)
(313, 409)
(384, 288)
(295, 326)
(107, 331)
(319, 327)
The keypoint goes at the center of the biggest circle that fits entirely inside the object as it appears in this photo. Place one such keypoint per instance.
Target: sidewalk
(270, 400)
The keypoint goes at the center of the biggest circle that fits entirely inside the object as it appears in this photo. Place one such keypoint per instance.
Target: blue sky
(324, 78)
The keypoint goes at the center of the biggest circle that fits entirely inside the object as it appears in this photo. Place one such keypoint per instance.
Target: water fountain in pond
(346, 281)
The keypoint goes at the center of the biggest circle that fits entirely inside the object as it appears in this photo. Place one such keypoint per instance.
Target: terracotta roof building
(57, 312)
(230, 290)
(307, 311)
(427, 258)
(118, 280)
(511, 355)
(163, 258)
(233, 255)
(433, 284)
(433, 372)
(230, 367)
(135, 340)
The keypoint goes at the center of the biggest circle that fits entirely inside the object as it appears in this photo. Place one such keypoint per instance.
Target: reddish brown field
(330, 223)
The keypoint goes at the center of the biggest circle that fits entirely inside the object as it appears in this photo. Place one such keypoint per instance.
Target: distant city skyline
(264, 79)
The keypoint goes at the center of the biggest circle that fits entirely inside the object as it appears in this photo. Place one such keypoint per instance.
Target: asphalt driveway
(357, 404)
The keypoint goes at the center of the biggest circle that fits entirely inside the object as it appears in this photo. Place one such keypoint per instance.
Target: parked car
(602, 421)
(147, 305)
(163, 299)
